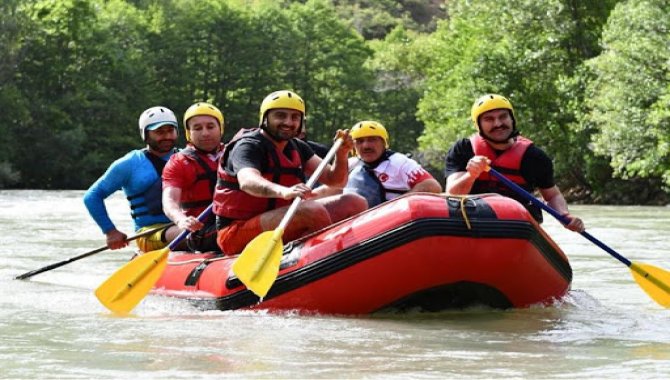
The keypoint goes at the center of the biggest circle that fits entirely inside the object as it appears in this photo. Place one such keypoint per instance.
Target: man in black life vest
(499, 145)
(264, 170)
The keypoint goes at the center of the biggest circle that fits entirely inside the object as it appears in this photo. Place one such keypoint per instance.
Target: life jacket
(149, 201)
(194, 200)
(509, 164)
(364, 181)
(231, 203)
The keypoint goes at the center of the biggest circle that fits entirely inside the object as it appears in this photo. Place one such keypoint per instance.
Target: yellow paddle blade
(127, 286)
(654, 281)
(258, 265)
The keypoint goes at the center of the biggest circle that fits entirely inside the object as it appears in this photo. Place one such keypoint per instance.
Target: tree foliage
(530, 51)
(90, 67)
(588, 80)
(13, 103)
(374, 19)
(627, 106)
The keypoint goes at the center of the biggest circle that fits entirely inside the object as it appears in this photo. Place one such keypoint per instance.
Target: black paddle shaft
(559, 217)
(59, 264)
(87, 254)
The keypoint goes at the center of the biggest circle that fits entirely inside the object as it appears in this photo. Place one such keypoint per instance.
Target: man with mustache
(138, 174)
(499, 145)
(262, 171)
(189, 177)
(380, 174)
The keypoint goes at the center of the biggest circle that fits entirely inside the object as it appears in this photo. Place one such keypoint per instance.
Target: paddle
(653, 280)
(87, 254)
(124, 289)
(258, 264)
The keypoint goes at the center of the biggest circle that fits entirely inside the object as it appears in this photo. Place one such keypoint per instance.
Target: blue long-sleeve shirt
(133, 173)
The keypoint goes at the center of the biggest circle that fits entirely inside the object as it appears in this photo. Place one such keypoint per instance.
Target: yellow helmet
(282, 99)
(202, 109)
(369, 128)
(490, 102)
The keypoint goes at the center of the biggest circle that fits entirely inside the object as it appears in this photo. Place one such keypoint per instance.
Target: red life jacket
(508, 163)
(195, 199)
(231, 203)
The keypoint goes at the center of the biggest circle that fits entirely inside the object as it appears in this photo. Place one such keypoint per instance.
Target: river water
(52, 326)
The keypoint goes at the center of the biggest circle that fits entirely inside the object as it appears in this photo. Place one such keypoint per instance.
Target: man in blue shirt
(138, 174)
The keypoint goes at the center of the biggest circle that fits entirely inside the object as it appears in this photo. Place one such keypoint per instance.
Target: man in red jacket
(189, 177)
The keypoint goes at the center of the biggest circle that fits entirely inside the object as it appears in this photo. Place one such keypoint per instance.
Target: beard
(161, 146)
(280, 135)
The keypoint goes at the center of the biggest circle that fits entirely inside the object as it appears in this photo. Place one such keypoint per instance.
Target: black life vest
(149, 201)
(231, 203)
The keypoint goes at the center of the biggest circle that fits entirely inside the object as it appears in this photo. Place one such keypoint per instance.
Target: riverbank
(620, 193)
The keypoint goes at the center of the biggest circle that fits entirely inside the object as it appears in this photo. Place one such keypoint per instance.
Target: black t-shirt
(536, 167)
(319, 149)
(251, 153)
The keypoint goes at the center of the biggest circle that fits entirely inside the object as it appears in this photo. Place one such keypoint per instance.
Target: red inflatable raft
(421, 251)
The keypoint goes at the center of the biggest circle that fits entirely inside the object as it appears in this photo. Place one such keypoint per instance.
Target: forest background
(589, 80)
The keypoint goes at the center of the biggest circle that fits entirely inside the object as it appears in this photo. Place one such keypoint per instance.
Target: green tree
(81, 76)
(326, 66)
(14, 25)
(233, 55)
(629, 95)
(375, 19)
(51, 80)
(530, 51)
(199, 51)
(398, 85)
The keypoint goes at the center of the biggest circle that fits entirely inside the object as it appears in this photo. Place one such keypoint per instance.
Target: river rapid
(52, 326)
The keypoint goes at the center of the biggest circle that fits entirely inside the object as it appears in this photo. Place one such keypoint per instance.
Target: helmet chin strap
(264, 127)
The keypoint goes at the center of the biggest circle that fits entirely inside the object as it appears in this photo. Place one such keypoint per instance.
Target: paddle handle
(310, 182)
(87, 254)
(329, 156)
(561, 218)
(202, 217)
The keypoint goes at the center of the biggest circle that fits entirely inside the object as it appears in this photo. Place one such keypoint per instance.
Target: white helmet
(156, 117)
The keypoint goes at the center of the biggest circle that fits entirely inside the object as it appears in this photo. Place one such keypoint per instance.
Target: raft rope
(463, 199)
(465, 214)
